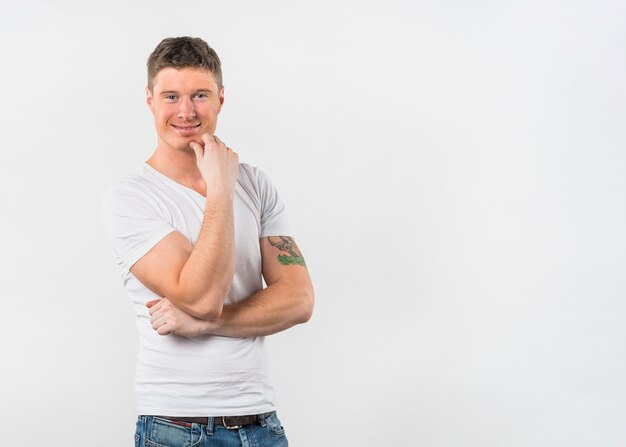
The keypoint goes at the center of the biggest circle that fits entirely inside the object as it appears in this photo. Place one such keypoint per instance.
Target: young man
(194, 232)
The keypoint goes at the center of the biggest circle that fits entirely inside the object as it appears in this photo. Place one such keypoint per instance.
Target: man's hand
(218, 165)
(166, 319)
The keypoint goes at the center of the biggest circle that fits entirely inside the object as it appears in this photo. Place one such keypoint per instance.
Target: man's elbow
(208, 307)
(213, 305)
(212, 313)
(201, 311)
(306, 305)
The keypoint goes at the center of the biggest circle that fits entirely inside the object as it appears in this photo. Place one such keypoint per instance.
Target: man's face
(185, 104)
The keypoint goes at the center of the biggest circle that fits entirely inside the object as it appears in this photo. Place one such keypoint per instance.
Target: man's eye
(170, 97)
(201, 95)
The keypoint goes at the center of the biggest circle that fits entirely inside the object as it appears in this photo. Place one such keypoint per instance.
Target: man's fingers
(163, 330)
(155, 311)
(221, 143)
(209, 139)
(196, 148)
(161, 325)
(158, 321)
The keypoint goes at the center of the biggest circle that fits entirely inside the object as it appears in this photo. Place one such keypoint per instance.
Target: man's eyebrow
(200, 90)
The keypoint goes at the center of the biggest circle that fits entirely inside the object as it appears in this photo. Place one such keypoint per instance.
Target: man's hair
(184, 52)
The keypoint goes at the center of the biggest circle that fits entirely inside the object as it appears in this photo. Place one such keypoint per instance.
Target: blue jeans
(153, 431)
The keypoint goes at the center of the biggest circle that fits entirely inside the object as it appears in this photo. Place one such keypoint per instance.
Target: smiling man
(195, 233)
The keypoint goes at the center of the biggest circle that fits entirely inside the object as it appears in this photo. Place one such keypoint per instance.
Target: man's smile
(187, 129)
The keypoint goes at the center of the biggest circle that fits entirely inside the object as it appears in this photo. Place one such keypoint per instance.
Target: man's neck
(178, 165)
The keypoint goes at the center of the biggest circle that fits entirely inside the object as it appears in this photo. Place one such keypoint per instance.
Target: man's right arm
(197, 278)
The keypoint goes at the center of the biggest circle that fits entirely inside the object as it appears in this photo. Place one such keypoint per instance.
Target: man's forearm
(273, 309)
(208, 273)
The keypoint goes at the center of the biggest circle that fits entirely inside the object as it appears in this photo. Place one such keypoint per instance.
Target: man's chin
(184, 147)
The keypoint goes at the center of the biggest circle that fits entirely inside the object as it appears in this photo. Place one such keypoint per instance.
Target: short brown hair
(184, 52)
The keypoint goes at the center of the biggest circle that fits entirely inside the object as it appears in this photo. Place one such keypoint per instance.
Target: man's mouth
(185, 130)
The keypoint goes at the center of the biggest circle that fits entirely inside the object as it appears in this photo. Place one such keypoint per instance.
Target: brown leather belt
(230, 422)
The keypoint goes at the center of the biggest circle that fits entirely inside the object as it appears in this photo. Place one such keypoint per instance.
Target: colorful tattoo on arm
(287, 244)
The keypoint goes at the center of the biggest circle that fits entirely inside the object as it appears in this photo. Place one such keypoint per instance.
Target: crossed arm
(287, 300)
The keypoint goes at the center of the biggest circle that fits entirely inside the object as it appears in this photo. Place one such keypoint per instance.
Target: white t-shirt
(207, 375)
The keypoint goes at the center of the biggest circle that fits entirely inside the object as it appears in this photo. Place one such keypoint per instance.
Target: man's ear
(221, 99)
(149, 99)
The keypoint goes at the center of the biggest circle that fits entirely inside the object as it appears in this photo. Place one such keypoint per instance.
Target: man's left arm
(286, 301)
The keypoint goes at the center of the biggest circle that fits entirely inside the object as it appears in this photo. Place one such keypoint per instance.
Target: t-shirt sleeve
(274, 221)
(132, 222)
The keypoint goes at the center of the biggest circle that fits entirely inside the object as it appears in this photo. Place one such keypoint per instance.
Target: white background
(455, 171)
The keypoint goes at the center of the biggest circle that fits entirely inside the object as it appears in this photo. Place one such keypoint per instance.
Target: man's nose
(186, 109)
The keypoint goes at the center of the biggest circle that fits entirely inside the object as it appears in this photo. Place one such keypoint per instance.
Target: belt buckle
(230, 427)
